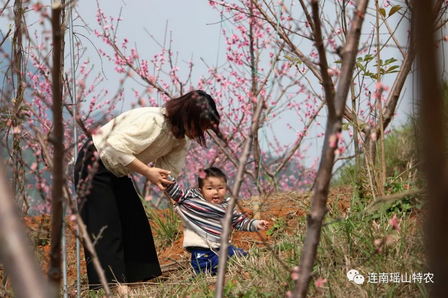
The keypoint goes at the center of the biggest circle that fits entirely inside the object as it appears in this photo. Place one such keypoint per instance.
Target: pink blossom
(333, 71)
(17, 129)
(134, 53)
(295, 273)
(320, 282)
(394, 223)
(377, 243)
(389, 240)
(38, 6)
(201, 173)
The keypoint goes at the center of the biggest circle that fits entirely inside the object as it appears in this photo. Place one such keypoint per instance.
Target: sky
(195, 30)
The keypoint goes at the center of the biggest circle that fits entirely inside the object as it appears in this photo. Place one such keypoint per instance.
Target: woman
(111, 207)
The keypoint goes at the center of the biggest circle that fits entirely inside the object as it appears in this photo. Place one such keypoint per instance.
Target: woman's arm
(156, 176)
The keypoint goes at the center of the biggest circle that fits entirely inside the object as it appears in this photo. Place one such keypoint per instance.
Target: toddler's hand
(262, 225)
(159, 177)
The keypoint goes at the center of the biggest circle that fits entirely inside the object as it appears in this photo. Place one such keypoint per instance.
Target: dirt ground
(285, 207)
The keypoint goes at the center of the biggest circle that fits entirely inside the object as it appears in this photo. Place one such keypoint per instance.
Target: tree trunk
(15, 248)
(336, 106)
(434, 123)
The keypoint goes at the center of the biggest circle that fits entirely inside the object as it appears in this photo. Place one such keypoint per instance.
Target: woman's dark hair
(195, 111)
(211, 172)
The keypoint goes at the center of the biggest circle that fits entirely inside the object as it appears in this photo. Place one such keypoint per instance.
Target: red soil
(284, 206)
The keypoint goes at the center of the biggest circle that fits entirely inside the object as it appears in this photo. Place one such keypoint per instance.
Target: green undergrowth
(355, 239)
(165, 226)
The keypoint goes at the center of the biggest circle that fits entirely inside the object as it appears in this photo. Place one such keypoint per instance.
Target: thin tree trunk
(254, 78)
(17, 153)
(15, 248)
(355, 137)
(57, 138)
(227, 222)
(81, 226)
(382, 165)
(336, 107)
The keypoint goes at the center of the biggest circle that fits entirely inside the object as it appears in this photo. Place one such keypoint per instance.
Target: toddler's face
(214, 190)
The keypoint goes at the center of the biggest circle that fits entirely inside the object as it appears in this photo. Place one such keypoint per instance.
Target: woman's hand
(262, 225)
(158, 177)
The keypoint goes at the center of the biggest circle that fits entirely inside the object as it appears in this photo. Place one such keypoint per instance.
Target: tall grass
(401, 154)
(165, 224)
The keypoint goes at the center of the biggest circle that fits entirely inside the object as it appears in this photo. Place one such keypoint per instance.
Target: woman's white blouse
(142, 133)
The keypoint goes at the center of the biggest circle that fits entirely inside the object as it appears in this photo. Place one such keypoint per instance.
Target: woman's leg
(99, 212)
(140, 254)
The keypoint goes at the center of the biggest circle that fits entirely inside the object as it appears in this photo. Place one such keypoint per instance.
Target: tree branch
(227, 223)
(334, 126)
(15, 252)
(57, 138)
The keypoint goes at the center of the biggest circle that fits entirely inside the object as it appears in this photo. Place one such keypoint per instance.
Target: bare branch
(227, 223)
(392, 100)
(334, 126)
(393, 197)
(294, 49)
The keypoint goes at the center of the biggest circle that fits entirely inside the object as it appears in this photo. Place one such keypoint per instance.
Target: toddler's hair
(211, 172)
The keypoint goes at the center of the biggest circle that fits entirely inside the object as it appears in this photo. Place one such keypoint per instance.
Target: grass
(165, 226)
(349, 240)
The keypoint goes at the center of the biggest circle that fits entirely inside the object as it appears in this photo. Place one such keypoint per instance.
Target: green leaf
(371, 74)
(389, 61)
(293, 59)
(337, 61)
(392, 68)
(394, 9)
(383, 12)
(345, 126)
(368, 57)
(360, 66)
